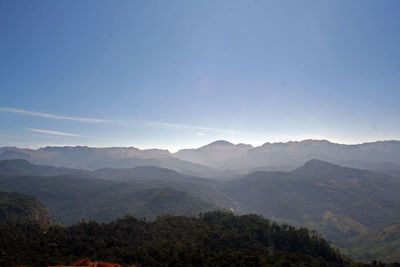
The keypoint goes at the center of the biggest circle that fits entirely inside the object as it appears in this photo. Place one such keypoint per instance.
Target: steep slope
(17, 208)
(339, 202)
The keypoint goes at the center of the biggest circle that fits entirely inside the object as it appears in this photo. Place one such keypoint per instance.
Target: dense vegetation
(16, 207)
(213, 239)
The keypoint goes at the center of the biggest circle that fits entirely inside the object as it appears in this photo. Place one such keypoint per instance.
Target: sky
(179, 74)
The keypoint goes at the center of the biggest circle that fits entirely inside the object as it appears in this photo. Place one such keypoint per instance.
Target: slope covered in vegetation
(16, 207)
(212, 239)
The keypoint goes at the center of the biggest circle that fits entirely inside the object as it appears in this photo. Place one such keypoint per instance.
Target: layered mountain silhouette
(383, 156)
(220, 158)
(91, 158)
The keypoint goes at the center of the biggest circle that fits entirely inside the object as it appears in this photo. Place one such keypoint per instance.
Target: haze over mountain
(381, 156)
(220, 158)
(91, 158)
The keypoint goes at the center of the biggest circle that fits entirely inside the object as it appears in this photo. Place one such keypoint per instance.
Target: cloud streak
(52, 116)
(42, 131)
(190, 127)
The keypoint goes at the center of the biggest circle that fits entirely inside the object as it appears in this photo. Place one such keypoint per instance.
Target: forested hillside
(16, 207)
(213, 239)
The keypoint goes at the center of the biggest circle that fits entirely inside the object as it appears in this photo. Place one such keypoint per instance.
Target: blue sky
(174, 74)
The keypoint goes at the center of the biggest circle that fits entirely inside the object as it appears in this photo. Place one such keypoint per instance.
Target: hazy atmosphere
(178, 74)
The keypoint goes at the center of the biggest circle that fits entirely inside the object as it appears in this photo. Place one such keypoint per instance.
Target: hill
(213, 239)
(339, 202)
(17, 208)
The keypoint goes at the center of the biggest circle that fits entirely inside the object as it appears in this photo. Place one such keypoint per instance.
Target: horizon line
(241, 143)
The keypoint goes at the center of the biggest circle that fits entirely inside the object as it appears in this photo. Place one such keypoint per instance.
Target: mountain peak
(220, 143)
(315, 142)
(317, 164)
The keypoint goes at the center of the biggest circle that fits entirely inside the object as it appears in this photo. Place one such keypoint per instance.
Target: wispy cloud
(200, 134)
(52, 116)
(190, 127)
(55, 132)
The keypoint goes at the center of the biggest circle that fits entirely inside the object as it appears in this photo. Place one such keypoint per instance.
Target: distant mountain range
(220, 158)
(381, 156)
(91, 158)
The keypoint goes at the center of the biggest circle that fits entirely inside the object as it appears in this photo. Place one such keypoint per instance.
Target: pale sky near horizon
(179, 74)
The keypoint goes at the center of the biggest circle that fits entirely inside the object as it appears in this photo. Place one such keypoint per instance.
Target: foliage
(17, 207)
(212, 239)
